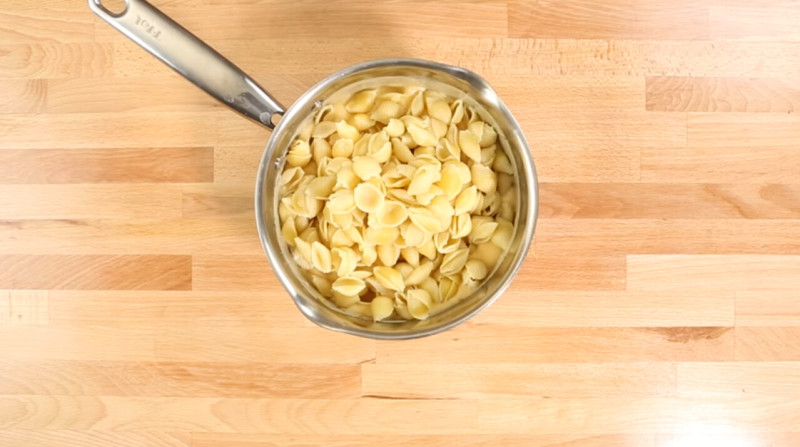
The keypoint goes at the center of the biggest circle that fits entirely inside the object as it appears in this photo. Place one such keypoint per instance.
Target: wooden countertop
(660, 305)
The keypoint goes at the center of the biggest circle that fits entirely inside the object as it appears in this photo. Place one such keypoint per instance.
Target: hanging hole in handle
(271, 120)
(114, 8)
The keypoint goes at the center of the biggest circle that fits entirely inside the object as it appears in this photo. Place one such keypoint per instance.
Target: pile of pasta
(397, 202)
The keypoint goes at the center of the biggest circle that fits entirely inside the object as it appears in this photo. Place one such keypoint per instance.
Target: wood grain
(80, 378)
(23, 96)
(696, 94)
(613, 20)
(146, 165)
(658, 306)
(146, 272)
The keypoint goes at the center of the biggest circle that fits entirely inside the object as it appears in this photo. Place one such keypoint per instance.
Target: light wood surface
(660, 305)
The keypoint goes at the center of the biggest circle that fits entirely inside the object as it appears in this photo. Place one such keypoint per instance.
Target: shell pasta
(397, 201)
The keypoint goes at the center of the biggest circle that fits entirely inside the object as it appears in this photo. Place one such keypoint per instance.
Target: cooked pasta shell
(428, 249)
(320, 150)
(301, 223)
(458, 111)
(382, 153)
(389, 278)
(366, 168)
(321, 257)
(321, 187)
(404, 268)
(488, 253)
(488, 154)
(448, 288)
(369, 254)
(361, 121)
(406, 170)
(401, 307)
(454, 261)
(395, 128)
(421, 159)
(290, 179)
(343, 147)
(322, 285)
(424, 219)
(422, 136)
(334, 165)
(439, 109)
(382, 307)
(431, 286)
(323, 129)
(476, 269)
(340, 239)
(483, 229)
(476, 127)
(417, 105)
(469, 145)
(401, 151)
(419, 274)
(422, 180)
(283, 211)
(303, 248)
(321, 112)
(344, 260)
(388, 254)
(438, 128)
(368, 197)
(432, 193)
(344, 221)
(359, 309)
(450, 183)
(346, 179)
(419, 303)
(461, 226)
(381, 236)
(490, 204)
(442, 208)
(483, 178)
(310, 234)
(299, 153)
(444, 243)
(502, 163)
(361, 102)
(505, 183)
(411, 256)
(377, 287)
(386, 110)
(392, 214)
(407, 140)
(504, 234)
(354, 234)
(395, 180)
(289, 232)
(337, 113)
(361, 146)
(489, 136)
(361, 274)
(347, 131)
(413, 234)
(343, 300)
(466, 200)
(341, 202)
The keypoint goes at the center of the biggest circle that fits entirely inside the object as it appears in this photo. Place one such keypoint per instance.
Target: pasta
(397, 202)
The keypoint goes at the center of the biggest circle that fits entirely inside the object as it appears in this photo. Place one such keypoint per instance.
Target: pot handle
(191, 57)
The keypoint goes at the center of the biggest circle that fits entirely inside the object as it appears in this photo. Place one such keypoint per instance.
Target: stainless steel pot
(200, 64)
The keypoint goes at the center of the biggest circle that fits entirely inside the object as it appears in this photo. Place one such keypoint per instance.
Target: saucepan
(206, 68)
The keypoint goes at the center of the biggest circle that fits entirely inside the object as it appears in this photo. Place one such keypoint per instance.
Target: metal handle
(192, 58)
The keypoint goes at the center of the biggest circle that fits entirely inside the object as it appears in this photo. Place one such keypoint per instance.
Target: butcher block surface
(659, 305)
